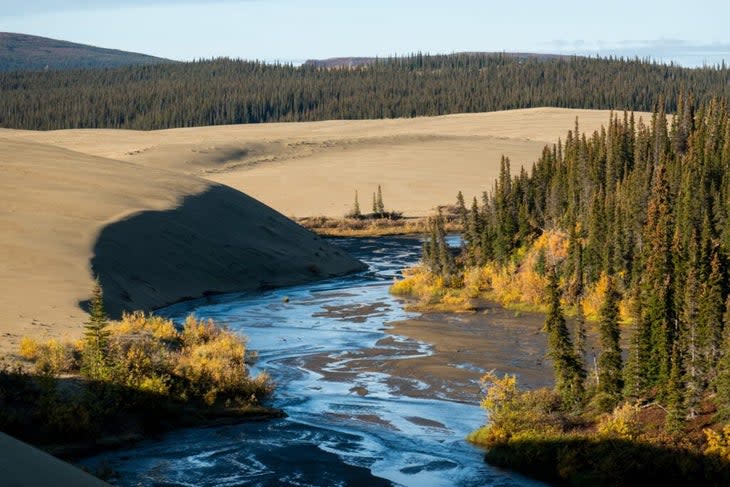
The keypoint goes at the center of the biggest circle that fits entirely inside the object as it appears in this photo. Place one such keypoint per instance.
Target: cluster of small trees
(645, 210)
(378, 208)
(224, 91)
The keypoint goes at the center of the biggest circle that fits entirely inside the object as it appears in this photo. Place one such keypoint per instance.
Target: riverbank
(148, 377)
(531, 434)
(371, 227)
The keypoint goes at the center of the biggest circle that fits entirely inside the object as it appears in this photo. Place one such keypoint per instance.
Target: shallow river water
(362, 430)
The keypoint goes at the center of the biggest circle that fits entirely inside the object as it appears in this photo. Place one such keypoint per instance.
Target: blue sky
(691, 33)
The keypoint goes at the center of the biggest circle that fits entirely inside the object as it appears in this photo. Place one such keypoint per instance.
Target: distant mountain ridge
(355, 62)
(23, 52)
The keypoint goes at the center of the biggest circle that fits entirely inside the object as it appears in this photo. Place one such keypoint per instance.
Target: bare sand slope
(153, 237)
(309, 169)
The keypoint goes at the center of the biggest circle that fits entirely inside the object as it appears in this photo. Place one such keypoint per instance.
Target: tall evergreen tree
(569, 376)
(581, 338)
(609, 360)
(96, 338)
(656, 284)
(676, 412)
(356, 208)
(379, 202)
(461, 210)
(721, 381)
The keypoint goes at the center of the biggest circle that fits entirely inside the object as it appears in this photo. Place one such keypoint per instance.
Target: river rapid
(347, 424)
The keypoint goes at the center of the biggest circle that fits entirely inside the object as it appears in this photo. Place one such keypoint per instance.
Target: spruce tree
(96, 338)
(473, 234)
(657, 281)
(461, 210)
(447, 265)
(581, 338)
(379, 202)
(569, 375)
(689, 339)
(676, 411)
(609, 360)
(356, 207)
(721, 382)
(710, 316)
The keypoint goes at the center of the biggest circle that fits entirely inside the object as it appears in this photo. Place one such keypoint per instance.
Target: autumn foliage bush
(201, 361)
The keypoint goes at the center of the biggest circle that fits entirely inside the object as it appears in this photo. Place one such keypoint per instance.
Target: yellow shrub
(531, 286)
(155, 384)
(54, 358)
(138, 323)
(594, 298)
(718, 442)
(476, 281)
(29, 348)
(626, 309)
(199, 331)
(500, 392)
(403, 287)
(622, 423)
(214, 362)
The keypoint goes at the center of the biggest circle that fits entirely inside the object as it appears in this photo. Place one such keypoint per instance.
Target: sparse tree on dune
(96, 338)
(356, 208)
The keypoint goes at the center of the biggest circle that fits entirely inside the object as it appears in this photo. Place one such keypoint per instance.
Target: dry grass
(369, 227)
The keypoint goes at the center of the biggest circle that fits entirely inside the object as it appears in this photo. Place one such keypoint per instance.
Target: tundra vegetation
(125, 379)
(626, 226)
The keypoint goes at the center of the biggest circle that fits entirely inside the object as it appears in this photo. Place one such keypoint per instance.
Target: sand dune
(152, 236)
(308, 169)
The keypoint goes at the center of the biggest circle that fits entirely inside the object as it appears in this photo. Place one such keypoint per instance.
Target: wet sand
(441, 355)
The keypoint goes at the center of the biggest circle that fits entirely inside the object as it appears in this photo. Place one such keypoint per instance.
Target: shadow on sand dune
(215, 242)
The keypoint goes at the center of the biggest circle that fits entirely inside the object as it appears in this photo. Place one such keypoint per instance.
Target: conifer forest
(643, 209)
(225, 91)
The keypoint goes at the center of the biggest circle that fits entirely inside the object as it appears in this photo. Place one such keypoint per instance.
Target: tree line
(225, 91)
(645, 210)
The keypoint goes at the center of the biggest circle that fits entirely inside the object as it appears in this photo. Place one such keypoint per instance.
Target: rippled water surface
(361, 430)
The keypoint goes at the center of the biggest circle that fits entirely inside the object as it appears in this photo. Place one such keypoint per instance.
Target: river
(349, 423)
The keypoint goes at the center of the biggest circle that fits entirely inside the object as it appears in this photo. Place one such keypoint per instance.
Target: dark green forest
(646, 207)
(224, 91)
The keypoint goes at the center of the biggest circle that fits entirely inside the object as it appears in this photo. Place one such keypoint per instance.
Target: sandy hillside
(309, 169)
(153, 236)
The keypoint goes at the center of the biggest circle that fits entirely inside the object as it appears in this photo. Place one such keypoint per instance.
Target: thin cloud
(685, 52)
(22, 8)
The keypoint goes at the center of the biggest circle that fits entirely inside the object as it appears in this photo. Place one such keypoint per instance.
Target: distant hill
(354, 62)
(27, 53)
